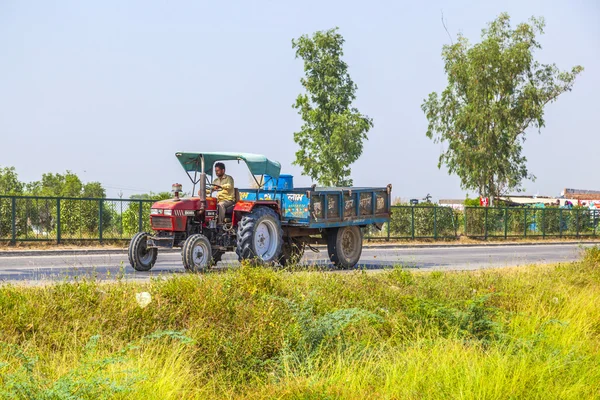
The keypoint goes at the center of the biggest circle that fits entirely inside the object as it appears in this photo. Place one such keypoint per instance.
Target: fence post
(387, 239)
(486, 222)
(58, 220)
(560, 222)
(412, 222)
(577, 221)
(101, 207)
(435, 222)
(505, 223)
(543, 223)
(14, 220)
(525, 220)
(140, 225)
(454, 223)
(466, 214)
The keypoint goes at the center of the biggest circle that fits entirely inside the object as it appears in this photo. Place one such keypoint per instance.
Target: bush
(429, 221)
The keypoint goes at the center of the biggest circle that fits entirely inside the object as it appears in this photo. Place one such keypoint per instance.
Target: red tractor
(271, 224)
(191, 223)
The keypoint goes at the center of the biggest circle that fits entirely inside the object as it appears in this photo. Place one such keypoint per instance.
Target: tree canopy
(9, 182)
(332, 136)
(496, 91)
(57, 185)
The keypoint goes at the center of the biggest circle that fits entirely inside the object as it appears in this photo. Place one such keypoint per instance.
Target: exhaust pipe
(203, 189)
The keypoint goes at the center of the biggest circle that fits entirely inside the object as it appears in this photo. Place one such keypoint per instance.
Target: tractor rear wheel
(259, 236)
(196, 253)
(140, 257)
(344, 246)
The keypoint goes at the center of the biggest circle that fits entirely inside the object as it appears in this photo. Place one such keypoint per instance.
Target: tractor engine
(174, 220)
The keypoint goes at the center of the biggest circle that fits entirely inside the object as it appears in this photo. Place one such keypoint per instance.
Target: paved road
(56, 267)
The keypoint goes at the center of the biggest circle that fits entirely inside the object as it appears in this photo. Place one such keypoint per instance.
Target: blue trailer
(322, 208)
(270, 224)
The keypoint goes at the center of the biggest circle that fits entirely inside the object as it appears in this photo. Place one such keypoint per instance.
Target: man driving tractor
(225, 190)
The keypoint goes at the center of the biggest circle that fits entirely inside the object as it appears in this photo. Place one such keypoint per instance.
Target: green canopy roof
(257, 164)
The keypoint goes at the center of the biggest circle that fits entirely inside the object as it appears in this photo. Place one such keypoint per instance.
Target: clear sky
(112, 89)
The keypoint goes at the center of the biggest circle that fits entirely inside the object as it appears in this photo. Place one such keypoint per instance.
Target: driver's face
(219, 171)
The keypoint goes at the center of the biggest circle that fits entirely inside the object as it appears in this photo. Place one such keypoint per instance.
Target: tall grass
(258, 333)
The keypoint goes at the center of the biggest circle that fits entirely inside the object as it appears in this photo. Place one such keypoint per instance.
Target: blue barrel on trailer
(286, 182)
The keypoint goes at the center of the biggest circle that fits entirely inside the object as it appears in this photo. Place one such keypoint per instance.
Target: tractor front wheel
(196, 253)
(259, 236)
(140, 257)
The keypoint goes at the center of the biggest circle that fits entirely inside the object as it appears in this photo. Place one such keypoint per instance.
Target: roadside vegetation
(261, 333)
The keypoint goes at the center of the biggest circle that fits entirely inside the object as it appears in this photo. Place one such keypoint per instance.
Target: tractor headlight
(168, 212)
(156, 211)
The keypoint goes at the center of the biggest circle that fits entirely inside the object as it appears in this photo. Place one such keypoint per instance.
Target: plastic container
(286, 182)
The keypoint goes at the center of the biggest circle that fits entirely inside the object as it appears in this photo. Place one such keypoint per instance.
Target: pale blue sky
(112, 89)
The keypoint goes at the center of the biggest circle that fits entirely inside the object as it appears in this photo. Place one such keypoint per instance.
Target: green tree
(57, 185)
(496, 91)
(131, 214)
(93, 189)
(9, 186)
(332, 135)
(9, 182)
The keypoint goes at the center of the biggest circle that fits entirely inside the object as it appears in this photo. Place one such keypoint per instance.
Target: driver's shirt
(227, 193)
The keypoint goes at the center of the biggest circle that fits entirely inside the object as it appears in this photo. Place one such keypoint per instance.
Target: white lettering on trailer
(295, 197)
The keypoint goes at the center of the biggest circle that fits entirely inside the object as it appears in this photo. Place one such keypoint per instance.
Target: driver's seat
(229, 210)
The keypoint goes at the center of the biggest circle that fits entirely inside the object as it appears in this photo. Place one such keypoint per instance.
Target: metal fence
(433, 222)
(486, 223)
(29, 218)
(418, 222)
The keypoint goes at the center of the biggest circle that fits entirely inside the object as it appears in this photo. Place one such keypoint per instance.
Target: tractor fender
(244, 207)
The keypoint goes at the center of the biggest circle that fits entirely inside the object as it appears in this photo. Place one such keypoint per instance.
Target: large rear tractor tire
(291, 252)
(260, 237)
(140, 257)
(196, 253)
(344, 246)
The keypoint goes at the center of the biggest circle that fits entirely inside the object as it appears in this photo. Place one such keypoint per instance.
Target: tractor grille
(162, 222)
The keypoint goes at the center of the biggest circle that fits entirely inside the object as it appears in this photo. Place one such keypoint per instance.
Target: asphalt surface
(112, 266)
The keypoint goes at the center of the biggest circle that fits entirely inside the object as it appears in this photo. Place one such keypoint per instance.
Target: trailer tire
(259, 236)
(344, 246)
(196, 253)
(141, 258)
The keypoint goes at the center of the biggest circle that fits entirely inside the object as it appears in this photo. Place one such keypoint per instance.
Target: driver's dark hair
(220, 165)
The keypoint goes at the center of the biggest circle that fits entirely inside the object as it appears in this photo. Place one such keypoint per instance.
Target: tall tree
(496, 91)
(332, 135)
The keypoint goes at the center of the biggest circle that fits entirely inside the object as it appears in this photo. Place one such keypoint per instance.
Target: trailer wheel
(140, 257)
(344, 246)
(259, 236)
(196, 253)
(291, 252)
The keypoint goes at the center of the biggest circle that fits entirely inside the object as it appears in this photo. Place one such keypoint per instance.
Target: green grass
(258, 333)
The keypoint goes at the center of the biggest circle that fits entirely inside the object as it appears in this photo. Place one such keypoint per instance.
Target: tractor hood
(189, 203)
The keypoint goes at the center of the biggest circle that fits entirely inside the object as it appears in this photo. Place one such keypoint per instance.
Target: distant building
(583, 196)
(521, 200)
(455, 204)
